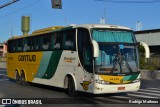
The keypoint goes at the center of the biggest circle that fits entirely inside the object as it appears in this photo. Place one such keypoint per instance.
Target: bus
(91, 58)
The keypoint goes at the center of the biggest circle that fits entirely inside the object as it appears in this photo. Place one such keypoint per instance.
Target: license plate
(121, 88)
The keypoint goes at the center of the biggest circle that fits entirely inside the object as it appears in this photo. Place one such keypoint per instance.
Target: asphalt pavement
(8, 89)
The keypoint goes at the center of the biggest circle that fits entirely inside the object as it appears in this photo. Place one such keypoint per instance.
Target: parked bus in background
(91, 58)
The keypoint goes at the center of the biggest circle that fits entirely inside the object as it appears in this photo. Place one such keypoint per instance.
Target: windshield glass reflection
(116, 58)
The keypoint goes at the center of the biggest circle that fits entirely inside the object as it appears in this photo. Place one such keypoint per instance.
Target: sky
(76, 12)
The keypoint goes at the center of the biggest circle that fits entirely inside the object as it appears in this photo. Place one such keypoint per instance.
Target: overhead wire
(113, 1)
(29, 5)
(9, 3)
(130, 1)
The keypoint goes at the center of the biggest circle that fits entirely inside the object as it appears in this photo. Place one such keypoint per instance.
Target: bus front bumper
(115, 88)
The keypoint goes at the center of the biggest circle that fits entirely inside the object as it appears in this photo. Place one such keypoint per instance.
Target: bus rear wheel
(23, 79)
(71, 88)
(18, 78)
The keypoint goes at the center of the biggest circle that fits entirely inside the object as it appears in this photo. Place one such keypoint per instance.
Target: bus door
(88, 66)
(85, 58)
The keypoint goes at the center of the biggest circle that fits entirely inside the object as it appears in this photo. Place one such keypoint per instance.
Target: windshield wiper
(116, 60)
(127, 65)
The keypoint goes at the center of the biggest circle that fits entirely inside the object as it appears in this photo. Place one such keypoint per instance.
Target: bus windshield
(117, 52)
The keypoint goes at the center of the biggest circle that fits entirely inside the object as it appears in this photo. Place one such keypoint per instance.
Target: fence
(154, 60)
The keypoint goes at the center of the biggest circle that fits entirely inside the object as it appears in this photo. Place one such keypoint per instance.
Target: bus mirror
(146, 48)
(95, 48)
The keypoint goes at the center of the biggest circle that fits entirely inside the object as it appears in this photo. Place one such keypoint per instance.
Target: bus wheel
(18, 78)
(23, 79)
(71, 88)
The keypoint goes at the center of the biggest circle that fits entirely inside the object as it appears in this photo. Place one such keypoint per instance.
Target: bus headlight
(102, 82)
(137, 80)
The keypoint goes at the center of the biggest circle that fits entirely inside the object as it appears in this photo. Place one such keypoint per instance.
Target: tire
(18, 78)
(23, 79)
(71, 88)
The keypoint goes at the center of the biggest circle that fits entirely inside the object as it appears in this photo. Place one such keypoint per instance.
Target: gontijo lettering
(27, 58)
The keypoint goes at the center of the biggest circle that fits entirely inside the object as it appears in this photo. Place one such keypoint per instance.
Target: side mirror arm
(146, 47)
(95, 48)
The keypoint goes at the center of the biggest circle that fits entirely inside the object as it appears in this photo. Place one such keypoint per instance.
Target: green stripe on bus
(126, 78)
(134, 77)
(43, 64)
(53, 63)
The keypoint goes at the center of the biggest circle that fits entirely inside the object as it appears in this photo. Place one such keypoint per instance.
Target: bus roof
(39, 32)
(58, 28)
(89, 26)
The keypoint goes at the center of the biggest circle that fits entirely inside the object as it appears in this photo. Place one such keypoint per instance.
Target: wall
(149, 75)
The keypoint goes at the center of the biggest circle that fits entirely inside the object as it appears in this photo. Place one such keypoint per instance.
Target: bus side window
(69, 39)
(26, 44)
(36, 44)
(14, 46)
(54, 40)
(32, 44)
(11, 46)
(58, 41)
(19, 45)
(46, 42)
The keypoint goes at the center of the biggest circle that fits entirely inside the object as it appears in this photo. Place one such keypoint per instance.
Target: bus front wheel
(71, 88)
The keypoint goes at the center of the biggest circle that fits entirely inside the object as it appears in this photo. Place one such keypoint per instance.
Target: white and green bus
(91, 58)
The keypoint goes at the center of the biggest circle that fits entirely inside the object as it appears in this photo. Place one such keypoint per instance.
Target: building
(3, 50)
(151, 37)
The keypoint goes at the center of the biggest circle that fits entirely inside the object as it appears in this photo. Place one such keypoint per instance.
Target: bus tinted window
(69, 40)
(11, 46)
(36, 43)
(46, 42)
(19, 45)
(58, 40)
(26, 44)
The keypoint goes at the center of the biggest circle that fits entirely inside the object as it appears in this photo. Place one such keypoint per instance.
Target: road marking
(3, 70)
(139, 92)
(154, 89)
(109, 99)
(149, 90)
(123, 97)
(3, 75)
(4, 80)
(141, 96)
